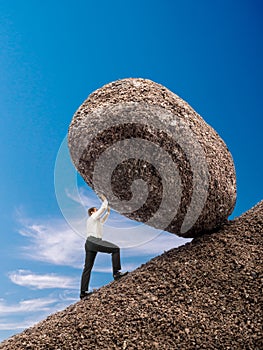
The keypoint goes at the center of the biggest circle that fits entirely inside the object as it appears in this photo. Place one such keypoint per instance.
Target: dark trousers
(94, 245)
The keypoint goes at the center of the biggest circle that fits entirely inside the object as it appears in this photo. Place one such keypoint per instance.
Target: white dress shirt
(96, 221)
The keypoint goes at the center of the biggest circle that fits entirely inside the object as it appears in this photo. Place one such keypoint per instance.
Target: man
(95, 244)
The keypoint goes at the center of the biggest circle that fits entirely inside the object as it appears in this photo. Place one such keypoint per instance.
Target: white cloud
(52, 241)
(31, 280)
(5, 326)
(25, 313)
(24, 306)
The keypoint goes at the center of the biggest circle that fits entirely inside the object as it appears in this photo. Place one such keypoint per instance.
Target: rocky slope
(204, 295)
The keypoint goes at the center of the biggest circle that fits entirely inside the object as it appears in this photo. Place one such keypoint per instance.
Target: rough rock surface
(206, 294)
(154, 157)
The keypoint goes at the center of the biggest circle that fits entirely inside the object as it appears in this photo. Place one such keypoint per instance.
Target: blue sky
(53, 55)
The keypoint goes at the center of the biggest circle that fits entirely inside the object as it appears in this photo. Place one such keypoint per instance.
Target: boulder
(156, 159)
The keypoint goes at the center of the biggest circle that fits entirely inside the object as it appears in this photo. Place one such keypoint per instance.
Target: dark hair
(91, 210)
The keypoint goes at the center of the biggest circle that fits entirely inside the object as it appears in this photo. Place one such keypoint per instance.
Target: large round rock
(154, 157)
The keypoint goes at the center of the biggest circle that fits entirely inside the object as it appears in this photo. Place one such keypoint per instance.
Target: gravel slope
(204, 295)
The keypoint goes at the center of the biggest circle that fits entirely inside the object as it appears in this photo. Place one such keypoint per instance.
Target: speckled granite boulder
(154, 157)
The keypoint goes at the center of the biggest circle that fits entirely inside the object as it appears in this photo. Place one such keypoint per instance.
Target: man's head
(92, 210)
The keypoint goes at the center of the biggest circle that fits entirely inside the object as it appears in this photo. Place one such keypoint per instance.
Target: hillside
(206, 294)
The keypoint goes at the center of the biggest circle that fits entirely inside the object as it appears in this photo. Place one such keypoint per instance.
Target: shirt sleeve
(105, 217)
(102, 209)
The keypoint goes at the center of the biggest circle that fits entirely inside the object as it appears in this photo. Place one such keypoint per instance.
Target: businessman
(95, 244)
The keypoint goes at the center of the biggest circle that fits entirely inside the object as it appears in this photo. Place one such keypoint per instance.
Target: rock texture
(204, 295)
(154, 157)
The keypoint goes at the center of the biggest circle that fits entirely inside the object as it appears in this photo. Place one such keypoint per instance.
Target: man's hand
(102, 197)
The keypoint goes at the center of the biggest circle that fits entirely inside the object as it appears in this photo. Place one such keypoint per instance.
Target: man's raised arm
(105, 217)
(102, 209)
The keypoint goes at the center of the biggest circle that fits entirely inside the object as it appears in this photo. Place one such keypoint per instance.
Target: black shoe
(85, 295)
(119, 275)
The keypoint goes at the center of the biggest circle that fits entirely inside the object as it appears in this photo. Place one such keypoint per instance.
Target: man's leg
(116, 261)
(102, 246)
(89, 262)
